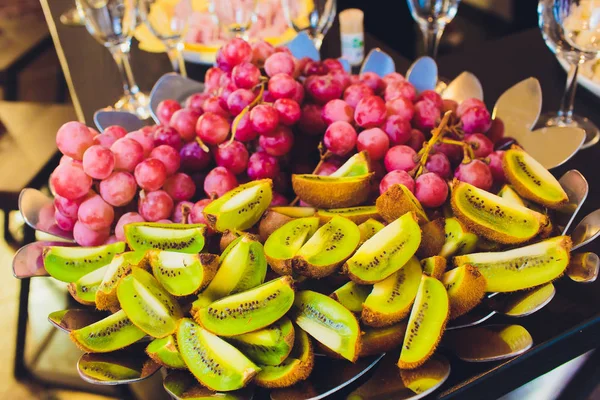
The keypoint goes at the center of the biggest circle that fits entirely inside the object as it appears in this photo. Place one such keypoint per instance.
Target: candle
(352, 35)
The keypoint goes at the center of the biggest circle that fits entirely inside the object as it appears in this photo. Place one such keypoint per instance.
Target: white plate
(588, 83)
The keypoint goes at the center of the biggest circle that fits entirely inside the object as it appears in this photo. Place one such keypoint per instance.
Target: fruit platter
(294, 221)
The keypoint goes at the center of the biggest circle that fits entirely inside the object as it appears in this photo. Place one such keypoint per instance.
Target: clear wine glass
(571, 29)
(234, 17)
(72, 17)
(112, 23)
(168, 22)
(315, 17)
(432, 17)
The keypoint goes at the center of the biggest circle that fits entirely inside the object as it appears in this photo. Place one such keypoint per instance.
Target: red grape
(115, 131)
(118, 189)
(312, 67)
(467, 105)
(181, 212)
(393, 77)
(370, 112)
(213, 105)
(67, 207)
(196, 215)
(402, 158)
(103, 140)
(374, 141)
(184, 122)
(125, 219)
(288, 110)
(98, 162)
(396, 177)
(495, 165)
(481, 145)
(311, 122)
(262, 165)
(195, 102)
(245, 75)
(63, 222)
(431, 190)
(232, 156)
(85, 236)
(165, 110)
(170, 157)
(417, 138)
(337, 110)
(238, 100)
(341, 77)
(454, 152)
(400, 89)
(128, 153)
(496, 131)
(354, 93)
(439, 164)
(236, 51)
(327, 168)
(145, 139)
(244, 132)
(278, 200)
(476, 119)
(475, 172)
(432, 96)
(261, 50)
(333, 65)
(154, 206)
(282, 86)
(167, 135)
(299, 94)
(95, 213)
(192, 158)
(212, 79)
(264, 118)
(340, 138)
(73, 139)
(212, 128)
(280, 63)
(150, 174)
(323, 88)
(449, 105)
(426, 115)
(277, 143)
(400, 107)
(219, 181)
(70, 181)
(180, 187)
(372, 80)
(397, 129)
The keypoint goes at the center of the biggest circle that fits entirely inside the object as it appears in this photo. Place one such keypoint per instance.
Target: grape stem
(324, 155)
(246, 109)
(437, 135)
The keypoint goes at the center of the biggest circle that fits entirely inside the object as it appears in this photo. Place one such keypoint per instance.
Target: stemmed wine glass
(571, 29)
(112, 23)
(432, 17)
(234, 16)
(169, 25)
(314, 17)
(71, 17)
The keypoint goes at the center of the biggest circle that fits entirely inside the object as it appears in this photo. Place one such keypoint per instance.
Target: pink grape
(245, 75)
(104, 140)
(467, 105)
(236, 51)
(212, 79)
(164, 221)
(181, 212)
(95, 213)
(449, 105)
(496, 131)
(452, 151)
(475, 172)
(73, 139)
(300, 65)
(402, 158)
(354, 93)
(323, 88)
(333, 65)
(401, 107)
(232, 156)
(261, 50)
(282, 86)
(70, 181)
(98, 162)
(311, 122)
(212, 128)
(169, 157)
(166, 109)
(417, 138)
(184, 122)
(312, 67)
(396, 177)
(192, 158)
(264, 119)
(327, 168)
(372, 80)
(150, 174)
(397, 129)
(481, 145)
(180, 187)
(111, 239)
(195, 102)
(288, 110)
(128, 153)
(115, 131)
(66, 207)
(439, 164)
(426, 115)
(118, 189)
(337, 110)
(393, 77)
(213, 105)
(63, 222)
(432, 96)
(278, 200)
(145, 139)
(431, 190)
(277, 143)
(85, 236)
(280, 63)
(341, 77)
(476, 119)
(495, 165)
(196, 216)
(238, 100)
(299, 94)
(374, 141)
(244, 131)
(340, 138)
(154, 206)
(262, 165)
(370, 112)
(400, 89)
(125, 219)
(219, 181)
(167, 135)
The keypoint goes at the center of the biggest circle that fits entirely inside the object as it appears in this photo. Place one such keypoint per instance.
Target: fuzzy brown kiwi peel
(466, 288)
(433, 238)
(332, 192)
(270, 222)
(283, 244)
(119, 267)
(351, 295)
(381, 340)
(397, 201)
(358, 215)
(434, 266)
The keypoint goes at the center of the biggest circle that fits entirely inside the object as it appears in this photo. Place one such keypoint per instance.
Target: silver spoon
(577, 188)
(584, 267)
(37, 210)
(69, 320)
(423, 74)
(172, 86)
(107, 116)
(302, 46)
(28, 261)
(587, 230)
(464, 86)
(182, 385)
(379, 62)
(117, 368)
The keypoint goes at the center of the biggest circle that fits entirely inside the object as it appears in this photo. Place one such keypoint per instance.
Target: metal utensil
(464, 86)
(587, 230)
(423, 74)
(560, 143)
(107, 116)
(182, 385)
(302, 46)
(488, 343)
(37, 210)
(121, 367)
(584, 267)
(28, 261)
(172, 86)
(69, 320)
(379, 62)
(577, 188)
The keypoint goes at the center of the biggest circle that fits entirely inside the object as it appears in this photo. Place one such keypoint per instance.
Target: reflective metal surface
(464, 86)
(577, 188)
(172, 86)
(519, 107)
(107, 117)
(28, 261)
(584, 267)
(586, 230)
(558, 144)
(69, 320)
(302, 46)
(379, 62)
(524, 303)
(117, 368)
(37, 210)
(423, 74)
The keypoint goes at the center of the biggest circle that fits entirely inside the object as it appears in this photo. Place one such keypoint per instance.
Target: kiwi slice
(270, 222)
(465, 286)
(357, 165)
(241, 207)
(114, 368)
(109, 334)
(358, 215)
(351, 295)
(332, 192)
(294, 212)
(380, 340)
(69, 264)
(426, 323)
(284, 243)
(493, 217)
(433, 238)
(184, 238)
(521, 268)
(386, 252)
(214, 362)
(297, 367)
(119, 267)
(147, 304)
(250, 310)
(328, 322)
(84, 289)
(327, 248)
(508, 193)
(369, 228)
(397, 201)
(458, 239)
(267, 346)
(434, 266)
(182, 274)
(391, 299)
(531, 180)
(164, 352)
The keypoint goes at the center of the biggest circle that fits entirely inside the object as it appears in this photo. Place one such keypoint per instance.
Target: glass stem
(565, 113)
(175, 53)
(318, 40)
(120, 54)
(432, 33)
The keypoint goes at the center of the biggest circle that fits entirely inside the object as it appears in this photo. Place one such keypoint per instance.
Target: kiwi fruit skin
(270, 222)
(434, 266)
(458, 239)
(119, 267)
(283, 244)
(493, 217)
(369, 228)
(84, 290)
(358, 215)
(351, 295)
(466, 287)
(215, 363)
(109, 334)
(386, 252)
(267, 346)
(433, 238)
(531, 180)
(397, 201)
(328, 322)
(229, 212)
(327, 249)
(332, 192)
(521, 268)
(69, 264)
(184, 238)
(391, 299)
(164, 352)
(147, 304)
(426, 323)
(294, 211)
(508, 193)
(381, 340)
(250, 310)
(357, 165)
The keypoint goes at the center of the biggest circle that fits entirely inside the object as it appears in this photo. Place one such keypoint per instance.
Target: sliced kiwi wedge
(434, 266)
(493, 217)
(531, 180)
(215, 363)
(397, 201)
(391, 299)
(521, 268)
(250, 310)
(267, 346)
(184, 238)
(426, 323)
(369, 228)
(283, 244)
(69, 264)
(459, 240)
(119, 267)
(182, 274)
(270, 222)
(164, 351)
(351, 295)
(147, 304)
(84, 289)
(466, 287)
(109, 334)
(433, 238)
(241, 207)
(380, 340)
(332, 192)
(327, 248)
(294, 212)
(508, 193)
(386, 252)
(357, 165)
(358, 215)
